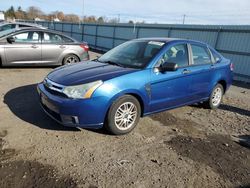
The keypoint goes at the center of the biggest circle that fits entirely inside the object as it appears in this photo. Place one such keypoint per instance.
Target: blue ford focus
(135, 79)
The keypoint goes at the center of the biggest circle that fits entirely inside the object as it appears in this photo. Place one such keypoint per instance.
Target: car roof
(167, 40)
(40, 29)
(23, 23)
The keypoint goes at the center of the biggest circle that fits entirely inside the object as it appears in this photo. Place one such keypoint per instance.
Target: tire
(70, 59)
(121, 121)
(215, 98)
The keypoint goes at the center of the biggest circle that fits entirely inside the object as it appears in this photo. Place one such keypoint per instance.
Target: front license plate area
(45, 101)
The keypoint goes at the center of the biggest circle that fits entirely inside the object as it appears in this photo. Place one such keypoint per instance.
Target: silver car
(28, 47)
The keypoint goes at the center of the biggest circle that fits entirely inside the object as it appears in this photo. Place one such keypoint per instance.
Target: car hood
(86, 72)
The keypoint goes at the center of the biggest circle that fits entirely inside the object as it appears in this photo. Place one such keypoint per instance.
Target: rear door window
(53, 38)
(201, 55)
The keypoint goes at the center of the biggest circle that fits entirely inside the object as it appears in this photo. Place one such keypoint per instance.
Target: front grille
(53, 92)
(52, 113)
(54, 88)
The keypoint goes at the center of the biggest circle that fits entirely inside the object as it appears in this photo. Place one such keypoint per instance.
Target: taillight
(85, 47)
(231, 66)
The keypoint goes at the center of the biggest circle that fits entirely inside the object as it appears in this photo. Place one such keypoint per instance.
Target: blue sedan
(135, 79)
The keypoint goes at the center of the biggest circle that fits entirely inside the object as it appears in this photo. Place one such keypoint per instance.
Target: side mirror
(11, 39)
(168, 66)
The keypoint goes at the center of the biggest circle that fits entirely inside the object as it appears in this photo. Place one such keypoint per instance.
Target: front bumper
(85, 113)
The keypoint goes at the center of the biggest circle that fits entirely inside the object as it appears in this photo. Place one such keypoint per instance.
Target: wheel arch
(223, 83)
(71, 53)
(142, 101)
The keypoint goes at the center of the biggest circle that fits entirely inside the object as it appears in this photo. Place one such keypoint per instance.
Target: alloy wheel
(217, 96)
(125, 115)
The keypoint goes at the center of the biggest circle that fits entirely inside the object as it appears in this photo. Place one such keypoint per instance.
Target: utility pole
(83, 10)
(119, 18)
(134, 25)
(82, 20)
(184, 17)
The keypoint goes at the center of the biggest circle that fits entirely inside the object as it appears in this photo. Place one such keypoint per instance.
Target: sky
(213, 12)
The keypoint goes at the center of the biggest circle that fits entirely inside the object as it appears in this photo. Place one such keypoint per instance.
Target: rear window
(216, 55)
(66, 39)
(22, 26)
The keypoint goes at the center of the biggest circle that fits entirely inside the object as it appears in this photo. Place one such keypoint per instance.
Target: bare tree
(10, 13)
(100, 20)
(20, 14)
(58, 14)
(34, 12)
(89, 19)
(114, 20)
(71, 18)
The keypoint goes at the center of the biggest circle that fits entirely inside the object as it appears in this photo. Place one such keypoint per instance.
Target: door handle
(185, 71)
(62, 46)
(34, 46)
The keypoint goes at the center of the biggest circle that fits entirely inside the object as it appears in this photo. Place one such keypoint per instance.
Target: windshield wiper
(97, 60)
(113, 63)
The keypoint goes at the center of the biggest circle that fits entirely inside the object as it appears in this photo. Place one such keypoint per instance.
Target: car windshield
(6, 32)
(133, 54)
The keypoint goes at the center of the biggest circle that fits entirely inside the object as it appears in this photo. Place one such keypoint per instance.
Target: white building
(56, 20)
(1, 16)
(37, 19)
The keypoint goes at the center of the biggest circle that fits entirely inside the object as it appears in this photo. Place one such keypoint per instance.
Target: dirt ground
(186, 147)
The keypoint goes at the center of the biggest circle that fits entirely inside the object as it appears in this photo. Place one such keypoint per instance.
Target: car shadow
(24, 103)
(241, 84)
(235, 109)
(243, 140)
(226, 107)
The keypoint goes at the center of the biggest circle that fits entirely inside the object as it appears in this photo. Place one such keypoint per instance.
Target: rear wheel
(123, 115)
(215, 98)
(70, 59)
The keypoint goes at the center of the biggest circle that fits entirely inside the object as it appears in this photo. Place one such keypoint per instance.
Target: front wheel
(215, 98)
(123, 115)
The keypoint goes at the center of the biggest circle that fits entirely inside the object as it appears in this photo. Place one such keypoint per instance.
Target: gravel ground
(186, 147)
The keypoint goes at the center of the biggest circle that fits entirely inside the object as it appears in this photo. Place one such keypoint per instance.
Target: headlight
(81, 91)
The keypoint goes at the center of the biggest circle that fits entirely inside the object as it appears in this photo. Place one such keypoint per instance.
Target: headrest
(180, 54)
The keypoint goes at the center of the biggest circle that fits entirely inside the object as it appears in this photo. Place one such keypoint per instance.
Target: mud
(27, 174)
(224, 156)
